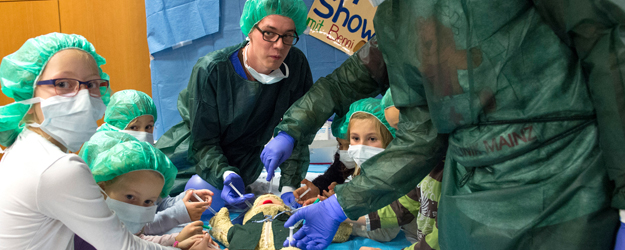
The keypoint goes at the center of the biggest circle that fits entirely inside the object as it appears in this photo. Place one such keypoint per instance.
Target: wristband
(176, 244)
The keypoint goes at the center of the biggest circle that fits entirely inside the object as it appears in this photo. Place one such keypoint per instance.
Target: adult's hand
(322, 222)
(276, 152)
(230, 196)
(314, 191)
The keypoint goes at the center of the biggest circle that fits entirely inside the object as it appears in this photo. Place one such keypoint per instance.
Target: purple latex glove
(232, 197)
(322, 222)
(289, 199)
(620, 238)
(276, 152)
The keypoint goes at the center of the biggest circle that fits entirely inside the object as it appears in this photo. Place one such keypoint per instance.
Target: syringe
(270, 186)
(296, 200)
(241, 195)
(200, 199)
(291, 239)
(305, 192)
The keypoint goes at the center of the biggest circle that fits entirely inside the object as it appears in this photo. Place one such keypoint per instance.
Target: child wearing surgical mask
(171, 211)
(369, 134)
(417, 211)
(60, 92)
(132, 176)
(132, 112)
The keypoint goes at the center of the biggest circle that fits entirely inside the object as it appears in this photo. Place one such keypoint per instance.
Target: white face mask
(273, 77)
(140, 135)
(347, 160)
(70, 120)
(134, 217)
(361, 153)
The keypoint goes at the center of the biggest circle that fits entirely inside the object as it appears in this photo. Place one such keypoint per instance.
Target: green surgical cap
(256, 10)
(125, 106)
(337, 128)
(371, 106)
(18, 72)
(123, 155)
(100, 142)
(387, 100)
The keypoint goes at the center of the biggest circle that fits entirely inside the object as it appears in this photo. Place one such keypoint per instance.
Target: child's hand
(312, 200)
(194, 207)
(188, 243)
(205, 244)
(331, 190)
(309, 201)
(322, 198)
(194, 228)
(314, 191)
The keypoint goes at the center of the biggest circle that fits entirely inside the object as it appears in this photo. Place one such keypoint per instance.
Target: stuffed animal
(263, 226)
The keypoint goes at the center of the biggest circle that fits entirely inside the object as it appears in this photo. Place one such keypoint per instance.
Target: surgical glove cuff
(335, 210)
(226, 173)
(230, 177)
(287, 189)
(287, 137)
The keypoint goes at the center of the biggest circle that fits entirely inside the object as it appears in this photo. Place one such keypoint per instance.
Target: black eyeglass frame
(263, 32)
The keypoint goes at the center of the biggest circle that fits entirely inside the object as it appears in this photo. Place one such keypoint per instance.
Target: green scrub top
(227, 120)
(530, 94)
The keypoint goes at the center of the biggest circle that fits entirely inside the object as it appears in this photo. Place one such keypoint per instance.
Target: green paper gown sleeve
(294, 169)
(409, 158)
(205, 150)
(596, 30)
(350, 82)
(334, 93)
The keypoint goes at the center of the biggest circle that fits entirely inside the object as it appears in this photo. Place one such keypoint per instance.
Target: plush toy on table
(263, 226)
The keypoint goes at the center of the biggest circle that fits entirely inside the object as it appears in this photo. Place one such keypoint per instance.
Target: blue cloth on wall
(171, 68)
(172, 22)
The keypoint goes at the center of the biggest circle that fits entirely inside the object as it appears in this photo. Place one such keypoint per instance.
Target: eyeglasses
(274, 37)
(69, 87)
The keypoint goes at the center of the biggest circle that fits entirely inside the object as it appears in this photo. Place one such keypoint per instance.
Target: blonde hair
(386, 135)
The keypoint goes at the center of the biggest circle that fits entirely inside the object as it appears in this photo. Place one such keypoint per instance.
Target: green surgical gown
(531, 95)
(227, 120)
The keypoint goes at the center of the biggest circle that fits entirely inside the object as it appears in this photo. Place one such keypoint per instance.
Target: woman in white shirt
(46, 193)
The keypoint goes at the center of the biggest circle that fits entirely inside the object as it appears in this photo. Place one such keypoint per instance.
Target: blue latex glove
(276, 152)
(322, 222)
(230, 196)
(289, 199)
(620, 238)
